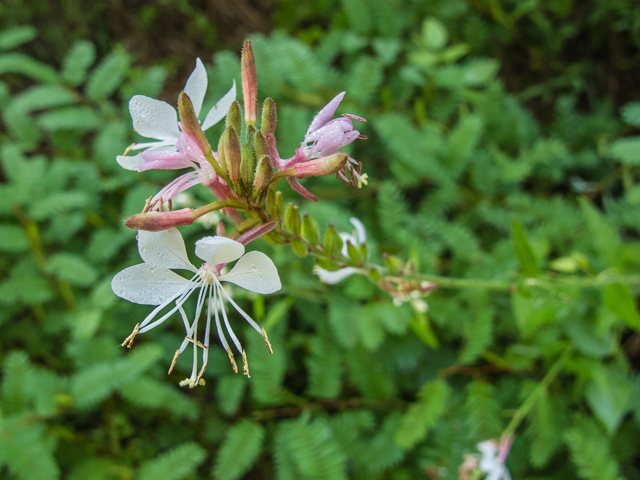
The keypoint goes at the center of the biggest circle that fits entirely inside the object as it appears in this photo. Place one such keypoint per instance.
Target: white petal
(154, 118)
(129, 163)
(334, 277)
(147, 285)
(361, 233)
(160, 145)
(255, 272)
(216, 250)
(220, 109)
(196, 86)
(164, 249)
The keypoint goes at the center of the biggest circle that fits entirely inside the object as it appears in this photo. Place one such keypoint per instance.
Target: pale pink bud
(321, 166)
(157, 221)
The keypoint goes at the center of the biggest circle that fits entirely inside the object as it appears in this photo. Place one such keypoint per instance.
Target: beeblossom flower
(157, 119)
(493, 457)
(154, 283)
(325, 137)
(357, 237)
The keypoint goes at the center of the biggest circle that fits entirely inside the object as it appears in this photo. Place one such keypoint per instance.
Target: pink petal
(326, 113)
(164, 160)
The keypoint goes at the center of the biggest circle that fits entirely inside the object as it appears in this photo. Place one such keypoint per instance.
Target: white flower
(157, 119)
(357, 237)
(492, 462)
(153, 283)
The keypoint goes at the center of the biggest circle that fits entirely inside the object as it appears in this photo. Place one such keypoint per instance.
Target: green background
(503, 146)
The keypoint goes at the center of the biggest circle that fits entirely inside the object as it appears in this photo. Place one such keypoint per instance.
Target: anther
(128, 149)
(129, 340)
(233, 361)
(245, 364)
(354, 117)
(147, 205)
(266, 340)
(199, 380)
(174, 361)
(196, 342)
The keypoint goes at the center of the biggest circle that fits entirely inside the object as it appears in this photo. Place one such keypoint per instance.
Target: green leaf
(483, 410)
(70, 118)
(591, 452)
(423, 415)
(41, 97)
(626, 150)
(631, 113)
(364, 78)
(606, 240)
(16, 368)
(267, 371)
(13, 238)
(25, 65)
(153, 394)
(16, 36)
(77, 61)
(178, 463)
(107, 76)
(434, 34)
(22, 448)
(617, 298)
(229, 392)
(239, 450)
(359, 15)
(608, 396)
(325, 367)
(58, 203)
(73, 268)
(525, 254)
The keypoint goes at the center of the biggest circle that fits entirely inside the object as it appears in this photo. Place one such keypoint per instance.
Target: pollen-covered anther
(232, 360)
(128, 149)
(129, 340)
(174, 361)
(199, 380)
(196, 342)
(354, 117)
(266, 340)
(245, 364)
(147, 205)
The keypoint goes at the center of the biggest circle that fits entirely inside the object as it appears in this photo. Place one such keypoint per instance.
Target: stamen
(354, 117)
(245, 364)
(160, 204)
(362, 137)
(266, 340)
(174, 361)
(170, 205)
(147, 205)
(233, 360)
(199, 380)
(129, 340)
(196, 342)
(128, 149)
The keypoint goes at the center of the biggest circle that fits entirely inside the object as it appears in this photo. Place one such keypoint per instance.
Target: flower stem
(542, 387)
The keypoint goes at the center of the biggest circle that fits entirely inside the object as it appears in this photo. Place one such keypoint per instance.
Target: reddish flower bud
(249, 84)
(156, 221)
(321, 166)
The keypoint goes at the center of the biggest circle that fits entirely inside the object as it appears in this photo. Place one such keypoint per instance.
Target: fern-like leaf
(239, 450)
(77, 61)
(107, 76)
(178, 463)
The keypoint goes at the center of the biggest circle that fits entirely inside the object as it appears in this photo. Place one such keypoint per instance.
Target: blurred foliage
(502, 139)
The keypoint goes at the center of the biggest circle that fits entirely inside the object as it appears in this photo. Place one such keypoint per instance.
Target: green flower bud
(299, 248)
(247, 167)
(234, 116)
(232, 153)
(268, 123)
(264, 174)
(292, 219)
(310, 230)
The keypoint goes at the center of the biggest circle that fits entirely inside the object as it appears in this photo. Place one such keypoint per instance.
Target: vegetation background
(503, 149)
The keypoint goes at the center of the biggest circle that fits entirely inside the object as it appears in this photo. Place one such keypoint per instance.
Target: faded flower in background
(494, 455)
(154, 283)
(357, 237)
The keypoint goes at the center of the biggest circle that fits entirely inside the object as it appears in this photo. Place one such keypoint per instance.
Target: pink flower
(325, 137)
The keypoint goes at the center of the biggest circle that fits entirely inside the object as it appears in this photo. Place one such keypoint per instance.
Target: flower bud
(251, 134)
(299, 248)
(157, 221)
(329, 265)
(190, 122)
(321, 166)
(232, 153)
(247, 167)
(249, 84)
(268, 121)
(374, 274)
(234, 116)
(264, 173)
(394, 264)
(354, 254)
(331, 242)
(292, 219)
(221, 156)
(260, 145)
(310, 230)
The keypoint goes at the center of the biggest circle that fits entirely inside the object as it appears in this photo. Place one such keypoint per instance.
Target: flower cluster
(242, 174)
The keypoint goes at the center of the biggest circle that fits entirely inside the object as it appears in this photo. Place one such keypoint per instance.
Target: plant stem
(542, 387)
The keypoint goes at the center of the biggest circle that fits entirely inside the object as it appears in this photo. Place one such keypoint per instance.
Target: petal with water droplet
(147, 285)
(255, 272)
(164, 249)
(154, 118)
(217, 250)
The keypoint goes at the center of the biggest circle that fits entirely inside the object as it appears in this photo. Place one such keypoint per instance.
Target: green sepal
(269, 117)
(298, 247)
(234, 116)
(354, 254)
(247, 167)
(310, 230)
(394, 264)
(292, 219)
